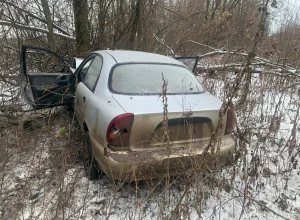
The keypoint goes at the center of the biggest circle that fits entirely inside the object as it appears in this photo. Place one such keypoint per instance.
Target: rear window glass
(147, 79)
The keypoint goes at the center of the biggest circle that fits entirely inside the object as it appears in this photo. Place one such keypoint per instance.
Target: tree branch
(34, 16)
(168, 9)
(204, 45)
(263, 61)
(178, 20)
(160, 41)
(11, 48)
(29, 28)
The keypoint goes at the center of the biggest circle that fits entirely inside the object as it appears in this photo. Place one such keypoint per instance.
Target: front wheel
(90, 166)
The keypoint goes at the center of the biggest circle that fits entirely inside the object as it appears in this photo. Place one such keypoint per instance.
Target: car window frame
(89, 60)
(196, 58)
(82, 64)
(96, 82)
(146, 94)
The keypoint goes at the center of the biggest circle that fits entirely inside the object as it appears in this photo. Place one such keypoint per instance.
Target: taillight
(118, 130)
(230, 121)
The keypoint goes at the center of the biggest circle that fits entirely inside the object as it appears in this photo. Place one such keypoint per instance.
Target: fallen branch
(237, 67)
(34, 16)
(204, 45)
(282, 69)
(256, 58)
(260, 60)
(29, 28)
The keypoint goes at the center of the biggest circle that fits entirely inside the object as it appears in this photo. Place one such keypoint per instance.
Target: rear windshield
(147, 79)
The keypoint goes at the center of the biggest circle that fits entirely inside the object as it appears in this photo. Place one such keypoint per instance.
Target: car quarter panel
(98, 114)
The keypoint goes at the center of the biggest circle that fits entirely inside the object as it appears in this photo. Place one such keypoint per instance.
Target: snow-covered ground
(42, 177)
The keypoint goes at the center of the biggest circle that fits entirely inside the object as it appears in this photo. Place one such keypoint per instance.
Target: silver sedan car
(144, 115)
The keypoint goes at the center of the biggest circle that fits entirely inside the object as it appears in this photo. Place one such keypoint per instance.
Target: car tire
(90, 166)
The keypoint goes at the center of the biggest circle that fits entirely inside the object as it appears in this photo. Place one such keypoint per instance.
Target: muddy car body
(118, 100)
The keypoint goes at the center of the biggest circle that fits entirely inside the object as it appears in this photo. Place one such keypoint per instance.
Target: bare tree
(81, 26)
(47, 14)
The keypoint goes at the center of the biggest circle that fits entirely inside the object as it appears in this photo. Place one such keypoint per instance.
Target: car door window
(44, 61)
(84, 70)
(93, 73)
(190, 62)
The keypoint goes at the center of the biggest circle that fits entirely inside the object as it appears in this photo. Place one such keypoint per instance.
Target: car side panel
(83, 95)
(100, 107)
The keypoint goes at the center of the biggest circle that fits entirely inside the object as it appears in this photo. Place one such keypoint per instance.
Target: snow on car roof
(125, 56)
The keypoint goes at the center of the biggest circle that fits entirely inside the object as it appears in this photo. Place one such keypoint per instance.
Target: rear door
(46, 80)
(190, 62)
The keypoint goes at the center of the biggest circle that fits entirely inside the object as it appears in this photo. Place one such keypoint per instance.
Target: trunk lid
(191, 118)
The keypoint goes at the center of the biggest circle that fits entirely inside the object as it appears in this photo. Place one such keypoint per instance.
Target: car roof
(126, 56)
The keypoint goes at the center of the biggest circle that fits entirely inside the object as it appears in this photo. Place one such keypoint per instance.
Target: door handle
(83, 98)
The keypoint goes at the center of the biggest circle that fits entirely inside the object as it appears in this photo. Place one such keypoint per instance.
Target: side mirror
(59, 68)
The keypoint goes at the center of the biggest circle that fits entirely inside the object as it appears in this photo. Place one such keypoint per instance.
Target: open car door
(46, 80)
(190, 62)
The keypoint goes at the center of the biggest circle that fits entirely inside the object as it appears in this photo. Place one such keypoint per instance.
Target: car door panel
(45, 87)
(82, 97)
(82, 92)
(48, 88)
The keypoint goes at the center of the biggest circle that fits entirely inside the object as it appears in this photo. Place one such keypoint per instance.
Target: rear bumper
(149, 164)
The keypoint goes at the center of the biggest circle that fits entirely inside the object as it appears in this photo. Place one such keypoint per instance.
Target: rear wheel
(90, 165)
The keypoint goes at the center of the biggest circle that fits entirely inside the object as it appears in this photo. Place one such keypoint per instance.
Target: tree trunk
(134, 25)
(81, 26)
(207, 9)
(137, 26)
(47, 14)
(120, 21)
(100, 41)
